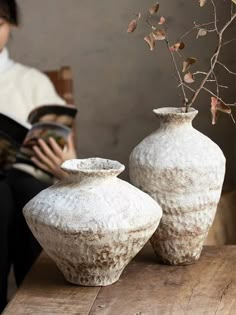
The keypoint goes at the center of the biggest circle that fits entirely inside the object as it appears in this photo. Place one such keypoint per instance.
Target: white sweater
(23, 88)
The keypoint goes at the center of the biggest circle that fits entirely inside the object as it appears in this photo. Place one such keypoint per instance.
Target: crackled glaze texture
(183, 171)
(92, 224)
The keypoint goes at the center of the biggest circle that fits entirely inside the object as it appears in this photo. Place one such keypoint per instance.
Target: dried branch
(228, 42)
(214, 60)
(217, 84)
(232, 8)
(227, 69)
(196, 27)
(199, 72)
(219, 98)
(187, 86)
(223, 86)
(215, 16)
(159, 33)
(177, 70)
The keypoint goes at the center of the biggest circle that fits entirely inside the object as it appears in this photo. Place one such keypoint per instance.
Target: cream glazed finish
(92, 223)
(183, 170)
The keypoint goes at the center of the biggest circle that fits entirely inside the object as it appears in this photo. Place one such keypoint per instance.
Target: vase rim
(96, 166)
(176, 111)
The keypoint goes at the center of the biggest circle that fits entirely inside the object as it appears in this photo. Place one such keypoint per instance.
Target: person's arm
(50, 157)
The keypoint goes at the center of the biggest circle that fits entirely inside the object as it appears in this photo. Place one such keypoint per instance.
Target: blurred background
(117, 80)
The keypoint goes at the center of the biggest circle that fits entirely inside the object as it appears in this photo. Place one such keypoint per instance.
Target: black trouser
(6, 238)
(18, 245)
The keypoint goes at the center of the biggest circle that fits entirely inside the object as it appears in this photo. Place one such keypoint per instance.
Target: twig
(196, 27)
(228, 42)
(188, 87)
(211, 31)
(199, 72)
(218, 98)
(223, 86)
(147, 21)
(215, 16)
(214, 60)
(232, 8)
(217, 85)
(178, 72)
(232, 117)
(227, 69)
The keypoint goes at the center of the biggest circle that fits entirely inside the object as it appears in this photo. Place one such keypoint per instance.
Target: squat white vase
(92, 223)
(183, 170)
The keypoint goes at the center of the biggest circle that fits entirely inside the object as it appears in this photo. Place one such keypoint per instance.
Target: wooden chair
(62, 79)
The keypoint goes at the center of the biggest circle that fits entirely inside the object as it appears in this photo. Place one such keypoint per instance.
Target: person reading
(21, 90)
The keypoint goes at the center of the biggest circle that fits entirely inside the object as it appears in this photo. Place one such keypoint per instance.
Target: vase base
(91, 281)
(177, 261)
(185, 263)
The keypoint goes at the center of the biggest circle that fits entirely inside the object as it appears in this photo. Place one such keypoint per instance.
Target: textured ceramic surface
(183, 171)
(92, 224)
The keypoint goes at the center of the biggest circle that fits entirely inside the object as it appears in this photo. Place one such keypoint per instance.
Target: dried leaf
(188, 78)
(188, 62)
(177, 46)
(202, 2)
(214, 113)
(132, 26)
(162, 20)
(150, 40)
(223, 108)
(201, 32)
(159, 34)
(216, 106)
(154, 9)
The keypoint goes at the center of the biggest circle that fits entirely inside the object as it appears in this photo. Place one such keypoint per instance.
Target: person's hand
(69, 151)
(50, 157)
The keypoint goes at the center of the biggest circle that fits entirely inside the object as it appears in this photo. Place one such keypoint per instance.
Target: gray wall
(118, 81)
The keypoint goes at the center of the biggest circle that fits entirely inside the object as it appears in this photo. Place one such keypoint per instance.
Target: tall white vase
(92, 224)
(183, 170)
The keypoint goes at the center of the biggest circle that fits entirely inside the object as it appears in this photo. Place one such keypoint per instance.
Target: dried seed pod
(159, 34)
(150, 40)
(154, 9)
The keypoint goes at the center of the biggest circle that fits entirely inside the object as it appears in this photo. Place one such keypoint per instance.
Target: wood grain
(146, 288)
(223, 231)
(45, 292)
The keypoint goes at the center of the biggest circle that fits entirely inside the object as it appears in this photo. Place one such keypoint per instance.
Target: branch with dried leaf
(185, 76)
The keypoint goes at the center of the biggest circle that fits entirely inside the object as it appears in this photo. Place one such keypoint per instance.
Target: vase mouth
(168, 114)
(175, 111)
(93, 166)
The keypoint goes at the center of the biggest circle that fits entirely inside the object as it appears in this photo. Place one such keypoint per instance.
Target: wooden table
(145, 288)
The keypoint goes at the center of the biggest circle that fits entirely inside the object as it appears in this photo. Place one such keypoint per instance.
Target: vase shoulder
(168, 148)
(107, 204)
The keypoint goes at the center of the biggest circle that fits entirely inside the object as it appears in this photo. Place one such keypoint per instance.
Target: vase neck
(175, 117)
(85, 170)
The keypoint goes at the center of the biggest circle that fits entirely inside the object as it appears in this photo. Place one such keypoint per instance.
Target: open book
(16, 140)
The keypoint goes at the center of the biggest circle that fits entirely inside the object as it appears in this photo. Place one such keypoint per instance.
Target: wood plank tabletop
(145, 288)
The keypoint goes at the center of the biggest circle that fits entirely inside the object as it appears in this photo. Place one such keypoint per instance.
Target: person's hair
(9, 11)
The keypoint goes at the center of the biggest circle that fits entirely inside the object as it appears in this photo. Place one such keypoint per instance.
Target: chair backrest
(62, 79)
